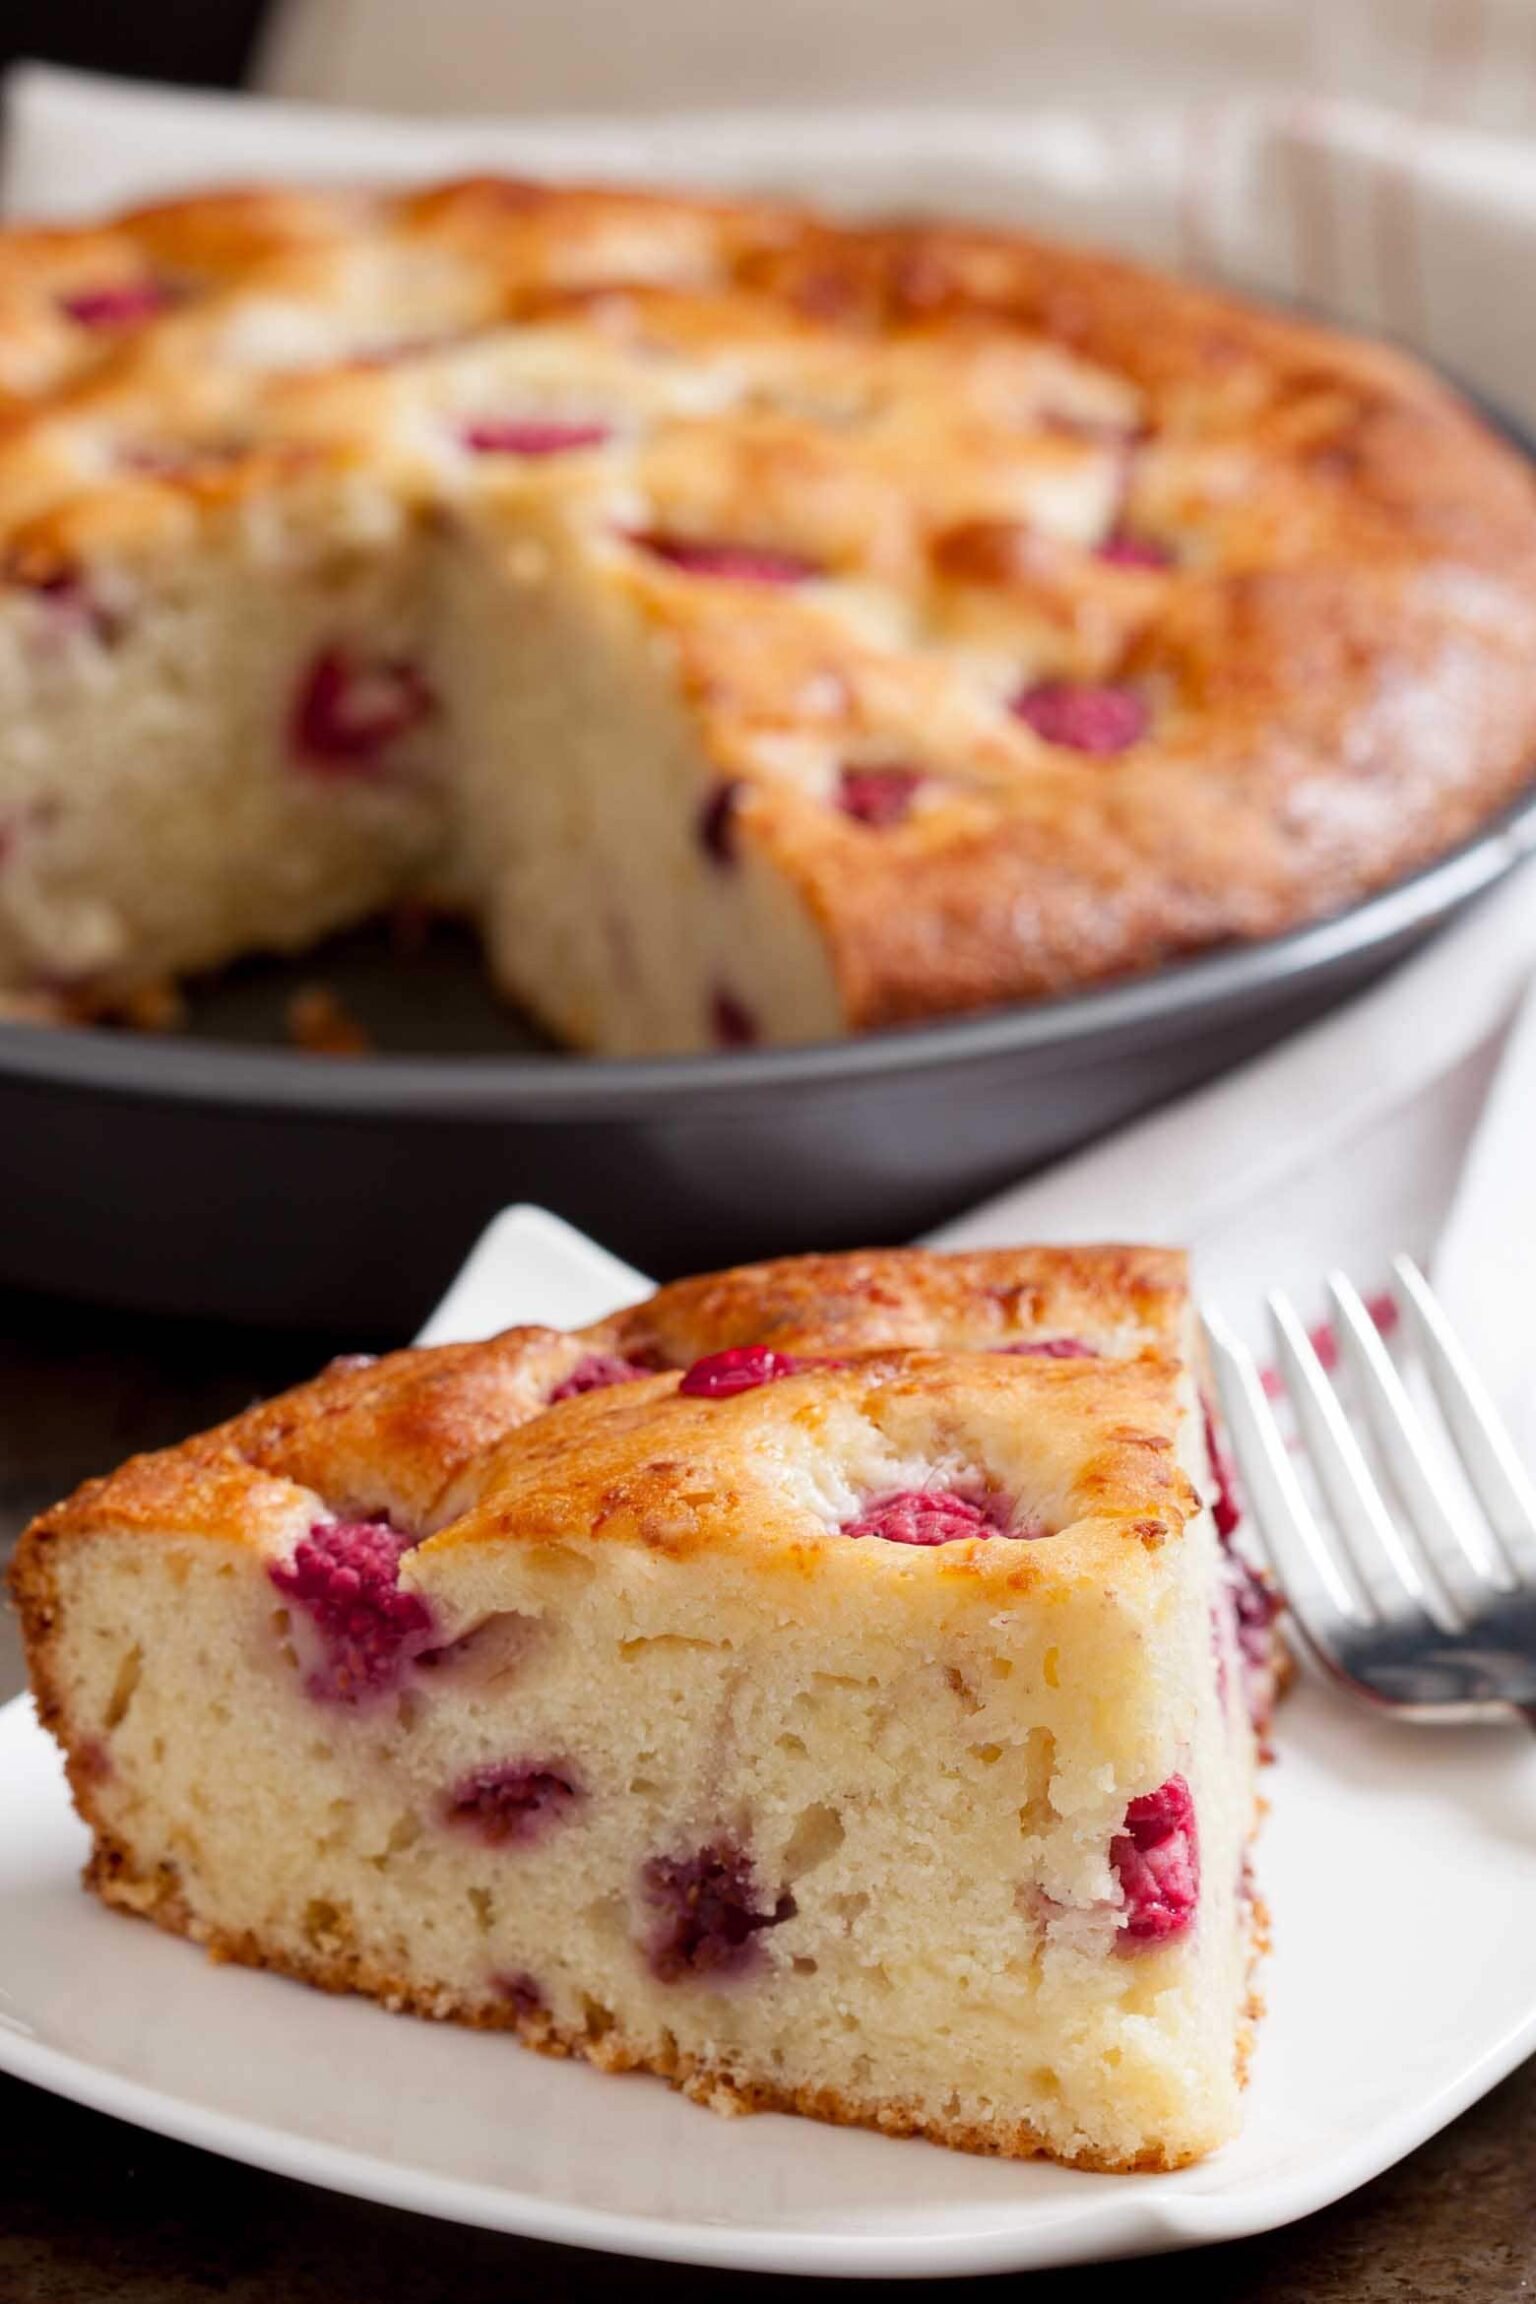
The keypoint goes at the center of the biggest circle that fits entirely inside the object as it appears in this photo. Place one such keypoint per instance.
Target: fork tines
(1397, 1580)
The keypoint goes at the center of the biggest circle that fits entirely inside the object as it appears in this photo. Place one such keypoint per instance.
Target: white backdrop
(1468, 60)
(1402, 224)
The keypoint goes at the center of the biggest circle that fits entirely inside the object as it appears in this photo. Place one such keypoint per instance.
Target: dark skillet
(208, 1173)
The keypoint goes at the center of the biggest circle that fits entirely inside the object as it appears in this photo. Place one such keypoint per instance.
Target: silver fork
(1427, 1610)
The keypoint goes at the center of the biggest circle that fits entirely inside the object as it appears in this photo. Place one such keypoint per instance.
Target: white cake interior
(156, 816)
(921, 1785)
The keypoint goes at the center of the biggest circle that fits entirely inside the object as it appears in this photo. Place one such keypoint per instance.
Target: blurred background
(1473, 60)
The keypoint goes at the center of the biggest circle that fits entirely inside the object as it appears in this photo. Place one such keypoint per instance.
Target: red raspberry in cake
(1051, 1348)
(345, 1576)
(1156, 1858)
(1256, 1605)
(878, 797)
(524, 1992)
(123, 305)
(731, 563)
(925, 1516)
(733, 1022)
(720, 1374)
(510, 1804)
(595, 1373)
(1083, 716)
(709, 1913)
(349, 712)
(531, 436)
(1255, 1608)
(717, 821)
(1125, 549)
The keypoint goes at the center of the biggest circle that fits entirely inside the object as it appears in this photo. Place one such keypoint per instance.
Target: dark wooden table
(91, 2211)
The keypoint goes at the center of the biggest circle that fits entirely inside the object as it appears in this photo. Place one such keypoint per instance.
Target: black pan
(209, 1173)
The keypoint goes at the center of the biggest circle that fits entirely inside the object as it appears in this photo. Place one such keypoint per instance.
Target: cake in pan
(830, 1685)
(762, 628)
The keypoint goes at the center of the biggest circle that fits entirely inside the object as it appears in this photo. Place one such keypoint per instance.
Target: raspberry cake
(827, 1685)
(761, 628)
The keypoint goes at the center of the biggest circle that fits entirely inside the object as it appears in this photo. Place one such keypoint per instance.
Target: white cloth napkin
(1455, 59)
(1349, 1141)
(1418, 230)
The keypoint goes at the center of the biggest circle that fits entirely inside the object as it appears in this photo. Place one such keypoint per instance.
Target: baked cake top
(936, 1415)
(1040, 616)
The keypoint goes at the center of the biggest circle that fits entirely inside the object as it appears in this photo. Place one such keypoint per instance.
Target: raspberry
(523, 1991)
(708, 1915)
(717, 821)
(734, 1024)
(595, 1373)
(721, 1374)
(878, 797)
(511, 1803)
(120, 306)
(531, 436)
(732, 563)
(1099, 720)
(1123, 548)
(1156, 1857)
(1255, 1606)
(92, 1761)
(1051, 1348)
(347, 713)
(345, 1575)
(923, 1516)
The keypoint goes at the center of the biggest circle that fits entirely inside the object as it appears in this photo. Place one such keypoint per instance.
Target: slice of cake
(825, 1685)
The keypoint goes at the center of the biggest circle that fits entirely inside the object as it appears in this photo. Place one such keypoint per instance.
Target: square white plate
(1400, 1865)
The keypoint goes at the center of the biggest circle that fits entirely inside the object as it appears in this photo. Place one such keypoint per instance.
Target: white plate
(1401, 1867)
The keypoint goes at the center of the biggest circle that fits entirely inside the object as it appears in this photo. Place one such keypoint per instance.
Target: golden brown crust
(645, 1464)
(1336, 656)
(406, 1435)
(916, 1298)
